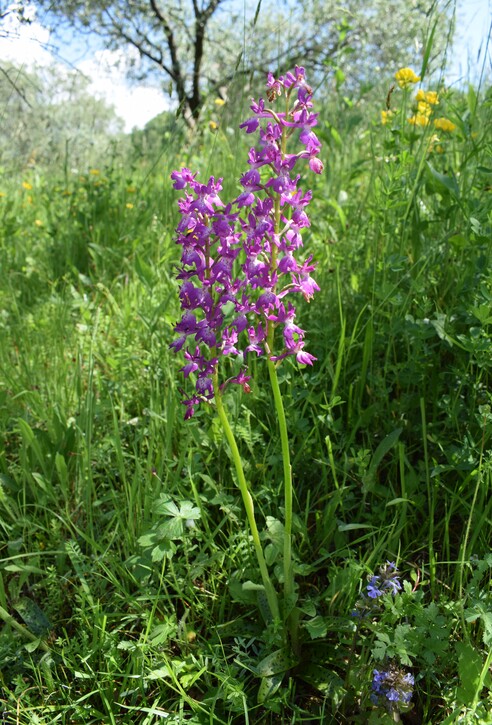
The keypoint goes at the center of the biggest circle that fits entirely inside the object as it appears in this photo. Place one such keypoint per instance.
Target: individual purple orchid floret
(182, 178)
(239, 262)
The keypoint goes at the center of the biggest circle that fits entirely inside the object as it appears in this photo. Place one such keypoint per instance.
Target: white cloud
(24, 43)
(28, 45)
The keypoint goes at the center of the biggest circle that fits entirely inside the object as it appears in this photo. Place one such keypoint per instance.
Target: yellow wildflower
(38, 222)
(213, 125)
(419, 119)
(131, 189)
(94, 172)
(26, 185)
(2, 194)
(424, 108)
(129, 205)
(386, 116)
(406, 76)
(219, 101)
(444, 124)
(427, 97)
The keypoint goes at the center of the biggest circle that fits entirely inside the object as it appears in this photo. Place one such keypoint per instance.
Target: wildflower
(444, 124)
(419, 119)
(387, 580)
(94, 172)
(386, 116)
(213, 125)
(406, 76)
(427, 97)
(380, 585)
(238, 261)
(2, 194)
(129, 205)
(38, 222)
(26, 185)
(424, 108)
(392, 688)
(219, 101)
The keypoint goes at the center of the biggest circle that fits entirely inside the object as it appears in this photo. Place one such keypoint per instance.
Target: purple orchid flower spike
(240, 261)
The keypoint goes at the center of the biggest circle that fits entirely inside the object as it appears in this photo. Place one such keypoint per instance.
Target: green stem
(288, 497)
(270, 592)
(284, 439)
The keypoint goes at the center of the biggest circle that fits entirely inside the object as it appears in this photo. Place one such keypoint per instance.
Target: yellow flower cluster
(405, 77)
(429, 97)
(386, 116)
(425, 101)
(424, 107)
(444, 124)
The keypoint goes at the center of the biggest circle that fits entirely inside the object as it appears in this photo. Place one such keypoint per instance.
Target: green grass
(124, 550)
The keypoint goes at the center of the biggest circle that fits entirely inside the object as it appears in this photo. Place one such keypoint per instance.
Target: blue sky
(473, 29)
(137, 105)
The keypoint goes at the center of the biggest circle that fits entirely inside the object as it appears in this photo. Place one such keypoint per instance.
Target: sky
(30, 44)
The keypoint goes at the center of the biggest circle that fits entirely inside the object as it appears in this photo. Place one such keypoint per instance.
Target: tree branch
(16, 88)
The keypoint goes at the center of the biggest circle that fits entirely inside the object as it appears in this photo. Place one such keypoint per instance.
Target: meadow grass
(127, 588)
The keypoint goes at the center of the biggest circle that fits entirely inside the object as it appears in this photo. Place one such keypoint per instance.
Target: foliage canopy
(199, 47)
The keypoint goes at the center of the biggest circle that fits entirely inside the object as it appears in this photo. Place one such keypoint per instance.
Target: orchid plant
(240, 270)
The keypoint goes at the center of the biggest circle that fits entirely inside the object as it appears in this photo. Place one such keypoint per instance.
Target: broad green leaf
(32, 646)
(163, 549)
(249, 586)
(316, 627)
(269, 686)
(445, 183)
(274, 663)
(469, 668)
(33, 616)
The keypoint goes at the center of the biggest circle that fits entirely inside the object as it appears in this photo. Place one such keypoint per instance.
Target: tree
(51, 119)
(200, 45)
